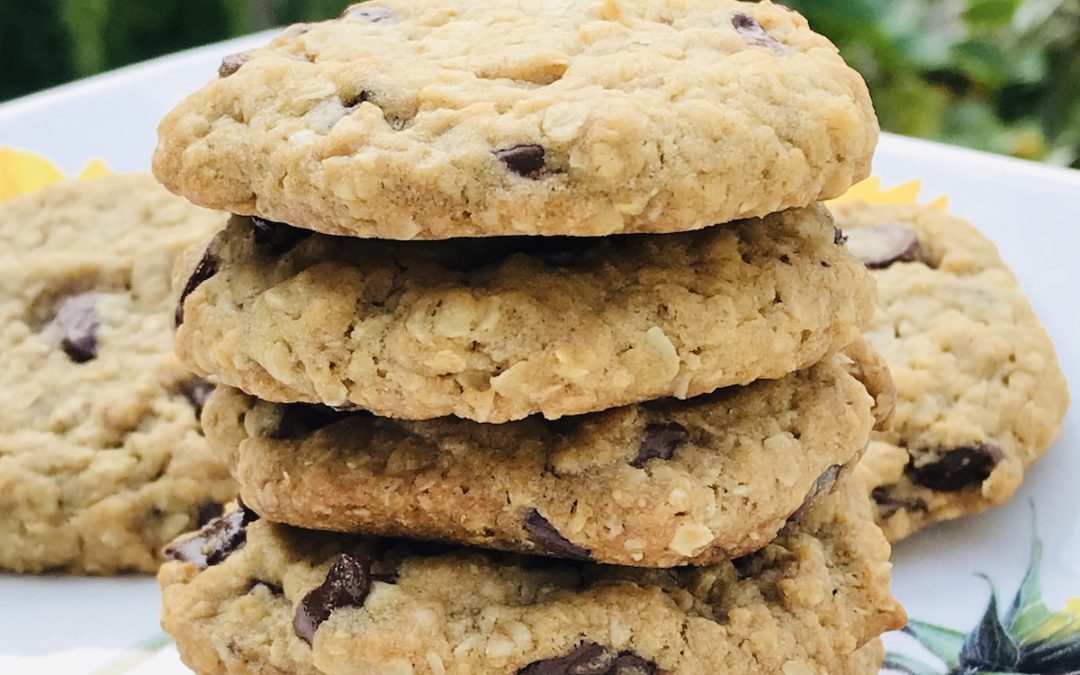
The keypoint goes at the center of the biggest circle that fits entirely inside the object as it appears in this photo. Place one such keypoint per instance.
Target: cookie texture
(101, 458)
(295, 601)
(656, 485)
(500, 329)
(431, 119)
(980, 393)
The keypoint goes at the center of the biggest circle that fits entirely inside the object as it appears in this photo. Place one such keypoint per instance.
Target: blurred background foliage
(998, 75)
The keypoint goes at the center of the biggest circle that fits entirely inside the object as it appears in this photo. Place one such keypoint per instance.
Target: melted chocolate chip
(755, 35)
(230, 64)
(277, 238)
(956, 469)
(207, 511)
(77, 323)
(879, 246)
(301, 419)
(369, 14)
(347, 584)
(660, 442)
(206, 268)
(590, 658)
(888, 503)
(524, 160)
(197, 391)
(822, 486)
(838, 237)
(550, 541)
(216, 541)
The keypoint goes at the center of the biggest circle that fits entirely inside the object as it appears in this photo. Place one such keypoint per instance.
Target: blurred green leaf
(994, 13)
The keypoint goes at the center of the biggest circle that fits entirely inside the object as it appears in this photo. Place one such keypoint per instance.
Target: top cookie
(101, 458)
(980, 394)
(431, 119)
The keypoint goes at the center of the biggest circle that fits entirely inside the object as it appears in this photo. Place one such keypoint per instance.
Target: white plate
(110, 625)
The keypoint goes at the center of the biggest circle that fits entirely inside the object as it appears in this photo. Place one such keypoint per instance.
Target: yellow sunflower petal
(871, 192)
(95, 168)
(1061, 625)
(24, 172)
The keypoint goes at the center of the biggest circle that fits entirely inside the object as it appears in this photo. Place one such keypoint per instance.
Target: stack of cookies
(500, 394)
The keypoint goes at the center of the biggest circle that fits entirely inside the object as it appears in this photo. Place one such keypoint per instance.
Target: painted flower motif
(23, 172)
(871, 192)
(1029, 640)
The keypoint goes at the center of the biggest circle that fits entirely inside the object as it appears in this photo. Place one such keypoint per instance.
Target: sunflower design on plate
(1029, 639)
(23, 172)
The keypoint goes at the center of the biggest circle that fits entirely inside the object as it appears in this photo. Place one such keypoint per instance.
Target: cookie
(499, 329)
(280, 600)
(101, 458)
(658, 484)
(980, 393)
(432, 119)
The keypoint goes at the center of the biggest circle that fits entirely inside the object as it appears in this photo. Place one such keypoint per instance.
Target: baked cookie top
(431, 119)
(101, 458)
(254, 597)
(980, 393)
(658, 484)
(500, 329)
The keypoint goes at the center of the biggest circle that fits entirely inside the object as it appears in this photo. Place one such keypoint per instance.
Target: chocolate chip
(838, 237)
(207, 511)
(218, 539)
(524, 160)
(347, 584)
(888, 503)
(369, 14)
(207, 267)
(590, 658)
(550, 541)
(197, 391)
(956, 469)
(231, 63)
(879, 246)
(822, 486)
(660, 442)
(300, 419)
(756, 36)
(76, 322)
(277, 238)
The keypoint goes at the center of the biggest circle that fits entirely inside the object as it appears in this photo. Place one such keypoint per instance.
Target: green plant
(998, 75)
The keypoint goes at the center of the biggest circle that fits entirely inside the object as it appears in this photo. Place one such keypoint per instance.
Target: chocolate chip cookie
(101, 457)
(279, 600)
(980, 393)
(431, 119)
(658, 484)
(499, 329)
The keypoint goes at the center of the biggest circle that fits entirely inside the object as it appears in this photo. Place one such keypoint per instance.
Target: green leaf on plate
(944, 643)
(989, 646)
(906, 664)
(1028, 611)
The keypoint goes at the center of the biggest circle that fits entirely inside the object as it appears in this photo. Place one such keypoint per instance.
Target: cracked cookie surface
(101, 458)
(657, 484)
(814, 600)
(980, 393)
(433, 119)
(500, 329)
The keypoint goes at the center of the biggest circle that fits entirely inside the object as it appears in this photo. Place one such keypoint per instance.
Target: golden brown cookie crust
(807, 603)
(658, 484)
(101, 458)
(442, 119)
(980, 393)
(419, 330)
